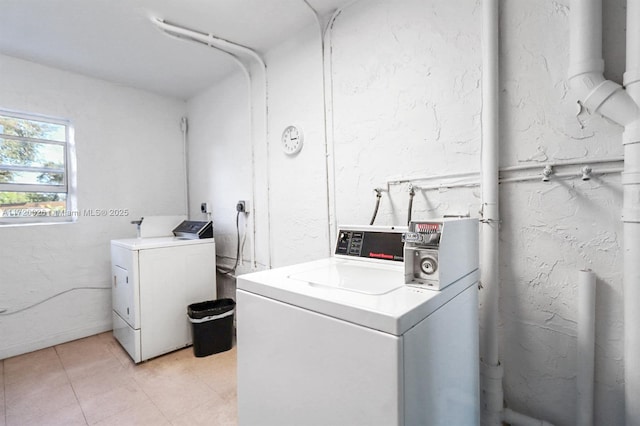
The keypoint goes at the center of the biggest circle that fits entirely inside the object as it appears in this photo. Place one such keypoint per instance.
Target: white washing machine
(153, 282)
(344, 341)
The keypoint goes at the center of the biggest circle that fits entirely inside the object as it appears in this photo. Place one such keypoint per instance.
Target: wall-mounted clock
(292, 139)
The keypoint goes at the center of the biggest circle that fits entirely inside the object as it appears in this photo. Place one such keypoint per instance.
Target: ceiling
(115, 40)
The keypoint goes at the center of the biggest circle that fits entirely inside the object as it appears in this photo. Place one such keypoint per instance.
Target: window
(37, 173)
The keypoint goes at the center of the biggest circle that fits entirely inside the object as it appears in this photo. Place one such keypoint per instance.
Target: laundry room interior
(317, 114)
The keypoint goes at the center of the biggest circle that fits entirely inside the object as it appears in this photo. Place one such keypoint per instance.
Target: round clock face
(292, 140)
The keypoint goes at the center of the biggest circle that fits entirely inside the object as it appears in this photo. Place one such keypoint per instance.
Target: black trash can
(212, 326)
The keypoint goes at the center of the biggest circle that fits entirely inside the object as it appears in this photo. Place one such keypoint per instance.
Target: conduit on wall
(184, 129)
(574, 169)
(611, 101)
(236, 51)
(631, 221)
(491, 371)
(491, 392)
(325, 25)
(327, 111)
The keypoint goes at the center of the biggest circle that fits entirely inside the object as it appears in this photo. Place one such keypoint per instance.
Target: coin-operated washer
(344, 341)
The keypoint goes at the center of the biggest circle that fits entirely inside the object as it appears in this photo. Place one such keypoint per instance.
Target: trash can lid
(210, 308)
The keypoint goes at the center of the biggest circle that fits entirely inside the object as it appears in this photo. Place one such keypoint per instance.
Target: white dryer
(344, 341)
(154, 280)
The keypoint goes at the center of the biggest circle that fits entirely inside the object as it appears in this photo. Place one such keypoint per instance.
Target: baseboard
(53, 340)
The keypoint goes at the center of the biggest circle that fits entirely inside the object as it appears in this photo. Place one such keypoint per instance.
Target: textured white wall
(551, 230)
(298, 189)
(406, 101)
(220, 153)
(220, 166)
(129, 154)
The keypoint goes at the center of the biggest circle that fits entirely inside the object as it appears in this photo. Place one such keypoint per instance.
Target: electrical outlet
(242, 206)
(203, 208)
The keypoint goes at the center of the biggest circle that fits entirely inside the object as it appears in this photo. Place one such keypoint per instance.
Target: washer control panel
(373, 243)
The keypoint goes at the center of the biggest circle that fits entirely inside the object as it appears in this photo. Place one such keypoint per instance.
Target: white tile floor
(92, 381)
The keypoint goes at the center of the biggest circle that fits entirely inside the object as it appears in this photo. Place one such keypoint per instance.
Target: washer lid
(349, 276)
(365, 293)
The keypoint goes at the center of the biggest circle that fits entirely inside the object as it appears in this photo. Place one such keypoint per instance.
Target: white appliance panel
(169, 290)
(124, 281)
(313, 361)
(200, 269)
(441, 373)
(128, 337)
(123, 295)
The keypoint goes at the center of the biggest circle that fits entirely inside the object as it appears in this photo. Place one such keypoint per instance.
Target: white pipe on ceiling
(236, 51)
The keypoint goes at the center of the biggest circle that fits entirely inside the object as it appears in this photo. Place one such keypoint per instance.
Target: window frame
(68, 185)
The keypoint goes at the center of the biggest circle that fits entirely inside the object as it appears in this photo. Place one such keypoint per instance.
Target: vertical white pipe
(325, 24)
(329, 170)
(491, 371)
(326, 35)
(633, 35)
(621, 106)
(586, 347)
(631, 272)
(586, 36)
(631, 323)
(631, 223)
(489, 180)
(632, 75)
(491, 380)
(328, 159)
(185, 148)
